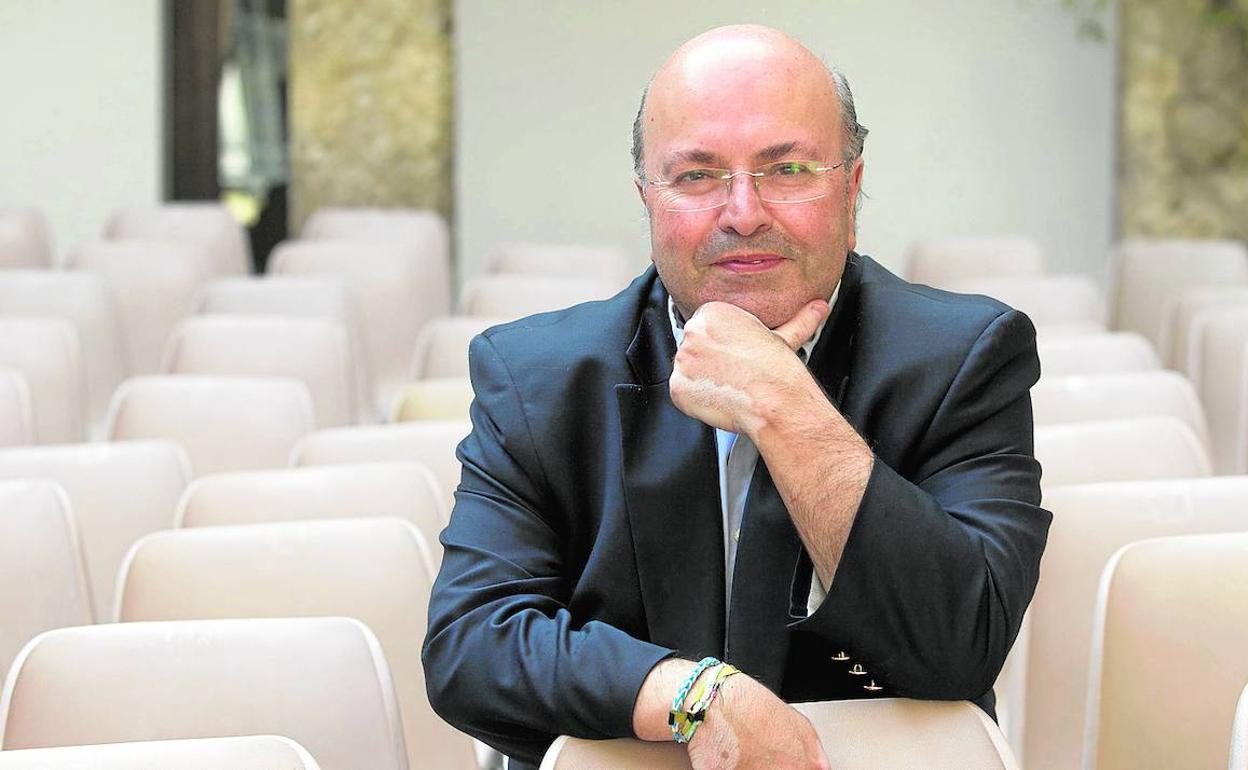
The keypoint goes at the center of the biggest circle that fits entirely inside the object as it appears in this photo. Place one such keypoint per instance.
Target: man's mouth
(749, 263)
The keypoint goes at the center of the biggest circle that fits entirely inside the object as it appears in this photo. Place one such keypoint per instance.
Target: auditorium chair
(43, 584)
(585, 260)
(1123, 395)
(1090, 523)
(223, 423)
(1066, 329)
(941, 260)
(1147, 273)
(856, 735)
(208, 224)
(1168, 653)
(251, 752)
(432, 443)
(375, 570)
(1239, 734)
(515, 295)
(47, 353)
(424, 229)
(16, 416)
(1177, 315)
(1137, 449)
(152, 285)
(442, 347)
(315, 351)
(323, 682)
(445, 398)
(1104, 353)
(118, 493)
(1046, 299)
(24, 239)
(1223, 356)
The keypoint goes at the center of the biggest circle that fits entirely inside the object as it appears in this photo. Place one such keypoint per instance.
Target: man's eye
(695, 175)
(788, 169)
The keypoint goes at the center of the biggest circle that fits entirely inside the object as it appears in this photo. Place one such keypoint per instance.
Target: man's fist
(747, 726)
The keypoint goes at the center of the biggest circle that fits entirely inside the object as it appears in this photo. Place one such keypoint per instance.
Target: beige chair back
(442, 347)
(223, 423)
(1044, 298)
(1089, 524)
(585, 260)
(152, 285)
(432, 443)
(515, 295)
(1139, 449)
(252, 752)
(1168, 658)
(17, 420)
(1063, 329)
(210, 225)
(1224, 386)
(315, 351)
(1125, 395)
(1104, 353)
(320, 681)
(375, 570)
(1177, 315)
(43, 584)
(24, 241)
(1239, 734)
(448, 398)
(941, 261)
(119, 492)
(424, 229)
(47, 353)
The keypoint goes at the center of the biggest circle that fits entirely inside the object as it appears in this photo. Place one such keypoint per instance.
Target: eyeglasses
(703, 189)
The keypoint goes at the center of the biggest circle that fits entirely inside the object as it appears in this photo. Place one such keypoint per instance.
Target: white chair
(423, 229)
(1067, 329)
(1118, 396)
(320, 681)
(446, 398)
(24, 241)
(396, 286)
(1223, 356)
(1090, 523)
(1239, 735)
(42, 580)
(224, 423)
(939, 261)
(1147, 273)
(1168, 661)
(1177, 316)
(856, 735)
(119, 492)
(1138, 449)
(152, 285)
(585, 260)
(1046, 299)
(432, 443)
(515, 295)
(251, 752)
(209, 224)
(442, 347)
(375, 570)
(82, 299)
(47, 353)
(315, 351)
(1105, 353)
(296, 295)
(17, 421)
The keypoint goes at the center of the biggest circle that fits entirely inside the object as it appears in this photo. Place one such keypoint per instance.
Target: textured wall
(1184, 128)
(370, 104)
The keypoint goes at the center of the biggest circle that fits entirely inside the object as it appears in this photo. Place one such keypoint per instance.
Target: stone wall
(370, 104)
(1184, 118)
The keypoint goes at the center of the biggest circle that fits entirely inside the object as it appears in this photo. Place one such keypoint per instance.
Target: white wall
(80, 95)
(986, 116)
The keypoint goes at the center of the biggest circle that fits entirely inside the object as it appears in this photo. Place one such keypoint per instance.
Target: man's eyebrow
(701, 157)
(780, 151)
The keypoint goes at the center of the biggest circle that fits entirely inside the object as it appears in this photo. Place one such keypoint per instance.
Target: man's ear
(641, 191)
(851, 202)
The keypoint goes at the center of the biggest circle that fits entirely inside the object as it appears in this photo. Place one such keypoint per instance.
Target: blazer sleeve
(503, 659)
(939, 568)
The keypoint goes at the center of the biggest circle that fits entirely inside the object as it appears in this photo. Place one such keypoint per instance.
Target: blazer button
(873, 687)
(840, 656)
(857, 670)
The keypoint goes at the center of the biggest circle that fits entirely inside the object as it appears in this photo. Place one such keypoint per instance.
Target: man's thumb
(801, 327)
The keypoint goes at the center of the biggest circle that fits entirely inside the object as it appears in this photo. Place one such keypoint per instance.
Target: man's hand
(748, 726)
(731, 370)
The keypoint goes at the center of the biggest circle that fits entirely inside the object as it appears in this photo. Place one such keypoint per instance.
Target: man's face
(739, 106)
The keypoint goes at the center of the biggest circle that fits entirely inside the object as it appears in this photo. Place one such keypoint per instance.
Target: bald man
(767, 450)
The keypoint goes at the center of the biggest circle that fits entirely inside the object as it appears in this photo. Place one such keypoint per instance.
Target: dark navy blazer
(586, 542)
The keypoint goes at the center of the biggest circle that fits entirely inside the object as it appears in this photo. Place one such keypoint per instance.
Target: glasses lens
(696, 189)
(789, 181)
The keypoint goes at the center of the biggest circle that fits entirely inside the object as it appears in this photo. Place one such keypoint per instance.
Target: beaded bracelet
(677, 718)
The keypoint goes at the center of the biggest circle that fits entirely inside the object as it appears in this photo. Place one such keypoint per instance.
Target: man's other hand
(747, 726)
(731, 370)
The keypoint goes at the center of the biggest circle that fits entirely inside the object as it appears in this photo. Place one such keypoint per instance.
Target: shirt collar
(678, 324)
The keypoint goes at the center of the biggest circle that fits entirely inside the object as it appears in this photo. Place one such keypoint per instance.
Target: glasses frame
(727, 175)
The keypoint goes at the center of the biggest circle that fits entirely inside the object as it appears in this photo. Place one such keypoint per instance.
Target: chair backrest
(424, 229)
(1124, 395)
(1177, 316)
(1224, 386)
(586, 260)
(442, 347)
(1044, 298)
(47, 353)
(24, 239)
(1138, 449)
(447, 398)
(1168, 661)
(119, 492)
(432, 443)
(375, 570)
(1239, 735)
(1104, 353)
(17, 419)
(396, 286)
(223, 423)
(152, 286)
(43, 584)
(856, 734)
(939, 261)
(515, 295)
(296, 295)
(206, 223)
(315, 351)
(250, 752)
(320, 681)
(1089, 524)
(1148, 272)
(82, 299)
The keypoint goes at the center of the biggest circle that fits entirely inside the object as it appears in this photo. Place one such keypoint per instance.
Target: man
(659, 477)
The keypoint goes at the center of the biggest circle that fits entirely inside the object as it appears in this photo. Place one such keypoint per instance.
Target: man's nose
(744, 213)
